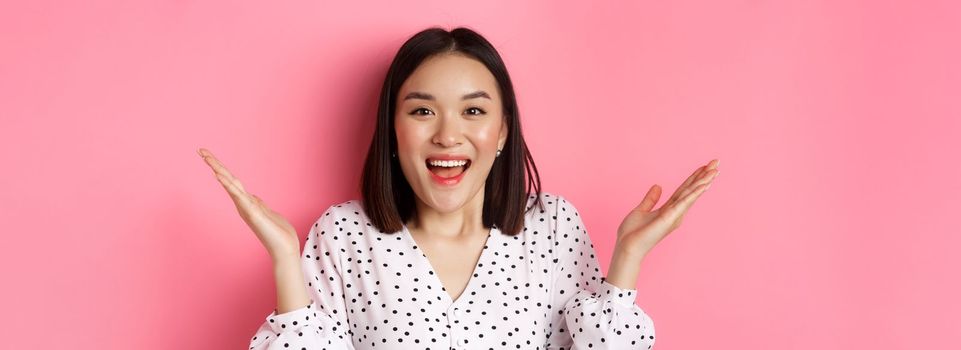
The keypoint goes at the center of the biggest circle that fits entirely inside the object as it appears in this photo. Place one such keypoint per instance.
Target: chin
(449, 200)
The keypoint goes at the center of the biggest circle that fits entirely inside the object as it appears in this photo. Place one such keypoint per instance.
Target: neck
(466, 221)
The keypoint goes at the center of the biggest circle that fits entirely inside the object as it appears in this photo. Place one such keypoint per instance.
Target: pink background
(833, 223)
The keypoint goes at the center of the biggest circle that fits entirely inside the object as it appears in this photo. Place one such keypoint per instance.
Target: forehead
(450, 76)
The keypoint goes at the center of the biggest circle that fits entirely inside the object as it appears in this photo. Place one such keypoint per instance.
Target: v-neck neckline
(488, 246)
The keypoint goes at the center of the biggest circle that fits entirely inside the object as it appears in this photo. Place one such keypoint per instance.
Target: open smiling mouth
(447, 172)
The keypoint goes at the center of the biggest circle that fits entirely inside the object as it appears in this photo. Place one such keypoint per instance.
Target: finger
(276, 218)
(260, 203)
(216, 164)
(219, 168)
(706, 172)
(688, 200)
(649, 199)
(689, 179)
(235, 182)
(708, 178)
(694, 176)
(239, 197)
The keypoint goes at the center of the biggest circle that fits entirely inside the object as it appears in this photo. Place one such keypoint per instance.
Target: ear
(502, 137)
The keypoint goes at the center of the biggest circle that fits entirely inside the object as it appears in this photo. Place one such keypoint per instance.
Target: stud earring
(394, 155)
(498, 153)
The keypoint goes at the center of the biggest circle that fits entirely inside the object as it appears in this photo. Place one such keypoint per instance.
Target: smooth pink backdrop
(833, 223)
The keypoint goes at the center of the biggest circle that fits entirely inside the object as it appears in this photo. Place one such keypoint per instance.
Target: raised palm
(273, 230)
(643, 227)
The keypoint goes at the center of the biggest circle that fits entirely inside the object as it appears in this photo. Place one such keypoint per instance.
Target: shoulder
(344, 211)
(562, 222)
(556, 216)
(348, 215)
(554, 206)
(564, 219)
(337, 227)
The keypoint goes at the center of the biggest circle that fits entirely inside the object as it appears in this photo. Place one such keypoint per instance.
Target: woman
(454, 245)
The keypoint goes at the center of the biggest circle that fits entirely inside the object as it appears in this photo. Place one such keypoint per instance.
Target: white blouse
(539, 289)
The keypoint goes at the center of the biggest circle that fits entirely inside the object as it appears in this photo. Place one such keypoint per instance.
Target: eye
(418, 111)
(478, 111)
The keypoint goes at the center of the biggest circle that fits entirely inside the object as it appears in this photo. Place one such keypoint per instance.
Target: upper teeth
(448, 163)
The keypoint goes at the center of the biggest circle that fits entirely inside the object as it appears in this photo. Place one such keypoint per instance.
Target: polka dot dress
(539, 289)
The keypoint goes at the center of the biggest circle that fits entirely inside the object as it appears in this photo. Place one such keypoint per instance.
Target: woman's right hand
(275, 232)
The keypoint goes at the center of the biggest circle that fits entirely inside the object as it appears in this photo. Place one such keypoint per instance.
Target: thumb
(650, 199)
(260, 203)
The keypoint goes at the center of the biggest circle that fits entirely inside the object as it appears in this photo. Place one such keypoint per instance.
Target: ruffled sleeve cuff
(293, 319)
(608, 291)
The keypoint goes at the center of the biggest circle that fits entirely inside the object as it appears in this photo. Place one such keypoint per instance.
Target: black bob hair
(388, 199)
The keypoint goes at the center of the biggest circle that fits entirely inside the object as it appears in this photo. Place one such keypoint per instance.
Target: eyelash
(480, 111)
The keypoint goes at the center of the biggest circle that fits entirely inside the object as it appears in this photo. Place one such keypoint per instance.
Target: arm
(289, 278)
(594, 314)
(311, 314)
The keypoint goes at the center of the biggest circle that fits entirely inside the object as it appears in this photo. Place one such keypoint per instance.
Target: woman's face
(449, 125)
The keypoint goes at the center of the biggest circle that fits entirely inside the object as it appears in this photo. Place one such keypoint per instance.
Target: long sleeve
(596, 314)
(323, 323)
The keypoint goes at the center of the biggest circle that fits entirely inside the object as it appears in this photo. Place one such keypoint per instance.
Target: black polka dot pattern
(539, 289)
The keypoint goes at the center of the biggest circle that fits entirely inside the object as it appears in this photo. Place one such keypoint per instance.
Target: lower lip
(447, 181)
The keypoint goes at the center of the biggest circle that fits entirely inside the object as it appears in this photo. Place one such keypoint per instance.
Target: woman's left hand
(643, 228)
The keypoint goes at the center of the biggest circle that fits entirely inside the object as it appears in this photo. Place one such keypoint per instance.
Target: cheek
(407, 135)
(408, 142)
(486, 136)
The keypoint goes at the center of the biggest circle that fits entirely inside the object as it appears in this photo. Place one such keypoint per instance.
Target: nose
(448, 132)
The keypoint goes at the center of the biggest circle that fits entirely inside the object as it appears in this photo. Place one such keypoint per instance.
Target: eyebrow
(429, 97)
